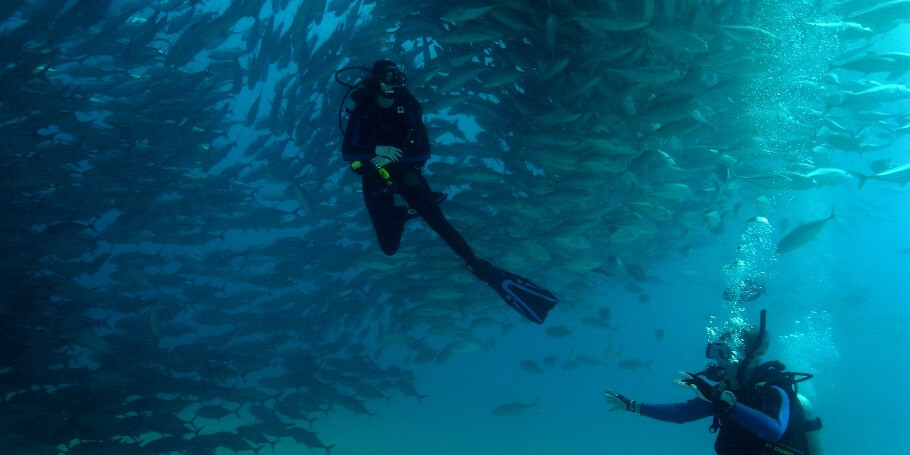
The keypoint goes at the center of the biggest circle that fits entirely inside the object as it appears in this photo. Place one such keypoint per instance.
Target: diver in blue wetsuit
(386, 144)
(755, 405)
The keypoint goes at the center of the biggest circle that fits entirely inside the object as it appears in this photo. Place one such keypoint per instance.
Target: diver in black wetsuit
(386, 128)
(386, 143)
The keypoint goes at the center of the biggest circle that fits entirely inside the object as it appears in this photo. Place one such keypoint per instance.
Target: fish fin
(862, 179)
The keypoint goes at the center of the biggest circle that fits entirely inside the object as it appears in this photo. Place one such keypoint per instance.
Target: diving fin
(523, 295)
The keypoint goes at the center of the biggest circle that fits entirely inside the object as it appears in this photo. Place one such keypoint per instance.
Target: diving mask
(718, 351)
(392, 76)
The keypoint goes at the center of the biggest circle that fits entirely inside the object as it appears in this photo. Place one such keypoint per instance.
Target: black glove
(702, 388)
(620, 401)
(722, 401)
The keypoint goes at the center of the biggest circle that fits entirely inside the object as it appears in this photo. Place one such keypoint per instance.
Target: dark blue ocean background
(838, 307)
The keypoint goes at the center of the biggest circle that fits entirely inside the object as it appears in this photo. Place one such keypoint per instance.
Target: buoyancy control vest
(733, 439)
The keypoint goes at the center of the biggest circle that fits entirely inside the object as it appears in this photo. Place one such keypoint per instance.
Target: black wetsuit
(401, 126)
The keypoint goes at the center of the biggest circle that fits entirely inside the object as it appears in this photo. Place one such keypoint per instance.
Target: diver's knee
(390, 243)
(389, 250)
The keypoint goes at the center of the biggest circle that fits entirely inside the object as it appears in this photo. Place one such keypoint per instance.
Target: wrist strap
(725, 405)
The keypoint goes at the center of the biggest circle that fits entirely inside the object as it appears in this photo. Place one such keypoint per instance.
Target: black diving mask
(718, 351)
(392, 76)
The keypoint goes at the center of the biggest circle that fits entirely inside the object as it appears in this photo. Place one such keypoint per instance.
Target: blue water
(858, 360)
(838, 307)
(842, 298)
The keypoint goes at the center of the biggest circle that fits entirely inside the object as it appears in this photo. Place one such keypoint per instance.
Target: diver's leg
(415, 190)
(388, 220)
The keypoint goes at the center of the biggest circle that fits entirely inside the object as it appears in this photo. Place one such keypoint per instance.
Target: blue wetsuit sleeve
(763, 425)
(688, 411)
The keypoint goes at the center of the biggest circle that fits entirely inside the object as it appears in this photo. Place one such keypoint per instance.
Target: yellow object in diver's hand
(357, 166)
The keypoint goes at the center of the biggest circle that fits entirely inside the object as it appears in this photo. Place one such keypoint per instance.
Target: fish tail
(862, 179)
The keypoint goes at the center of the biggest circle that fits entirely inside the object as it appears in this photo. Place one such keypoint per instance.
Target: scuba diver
(386, 143)
(755, 405)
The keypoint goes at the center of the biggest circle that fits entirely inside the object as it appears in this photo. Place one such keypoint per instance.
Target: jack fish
(802, 235)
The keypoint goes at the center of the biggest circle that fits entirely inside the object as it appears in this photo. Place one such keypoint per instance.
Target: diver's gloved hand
(385, 154)
(620, 401)
(723, 401)
(702, 388)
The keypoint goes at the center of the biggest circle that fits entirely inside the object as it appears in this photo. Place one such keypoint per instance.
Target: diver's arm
(760, 424)
(813, 437)
(688, 411)
(418, 148)
(357, 143)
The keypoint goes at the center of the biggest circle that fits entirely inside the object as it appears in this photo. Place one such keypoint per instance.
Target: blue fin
(523, 295)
